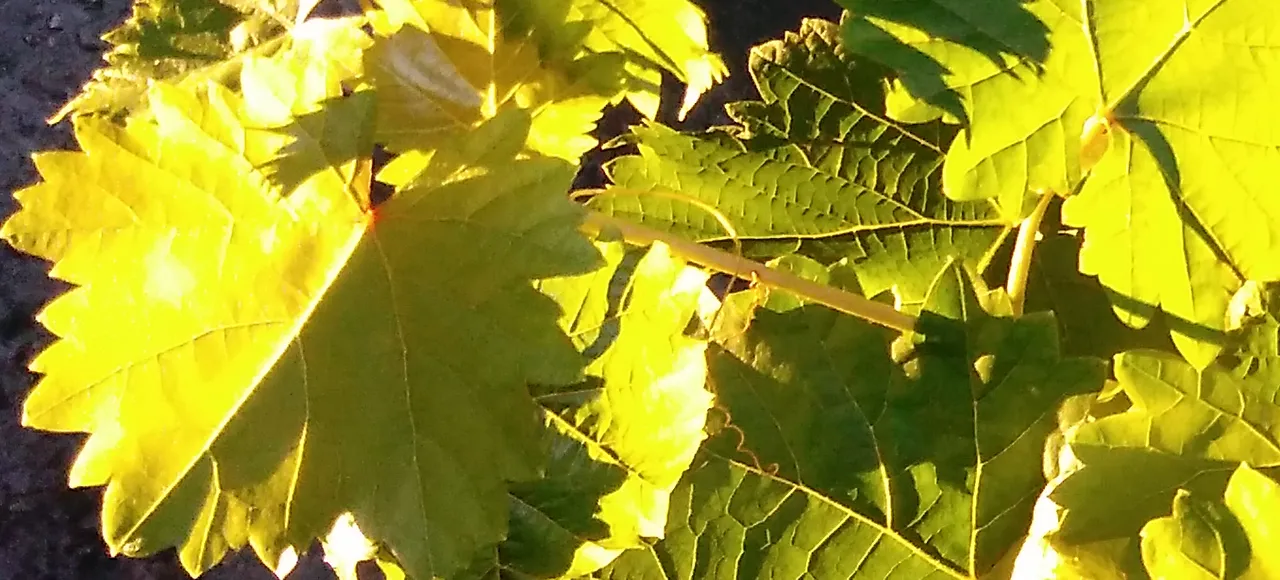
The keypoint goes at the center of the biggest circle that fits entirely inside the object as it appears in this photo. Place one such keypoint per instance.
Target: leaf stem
(1020, 267)
(722, 261)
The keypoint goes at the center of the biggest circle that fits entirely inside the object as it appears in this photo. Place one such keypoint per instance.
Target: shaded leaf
(1186, 429)
(1087, 322)
(835, 461)
(193, 41)
(1226, 538)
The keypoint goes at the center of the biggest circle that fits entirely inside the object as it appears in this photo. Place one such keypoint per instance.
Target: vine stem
(1020, 266)
(735, 265)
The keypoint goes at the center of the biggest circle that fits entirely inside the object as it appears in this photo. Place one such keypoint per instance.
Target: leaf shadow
(815, 412)
(337, 133)
(996, 29)
(1174, 323)
(895, 429)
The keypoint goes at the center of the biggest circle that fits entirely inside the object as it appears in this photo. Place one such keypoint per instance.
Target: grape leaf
(195, 41)
(620, 441)
(1224, 538)
(442, 67)
(1187, 429)
(253, 362)
(651, 35)
(815, 159)
(837, 462)
(1019, 73)
(1177, 210)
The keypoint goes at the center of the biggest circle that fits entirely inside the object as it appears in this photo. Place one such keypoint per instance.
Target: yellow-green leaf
(621, 440)
(192, 41)
(252, 362)
(1180, 206)
(1221, 538)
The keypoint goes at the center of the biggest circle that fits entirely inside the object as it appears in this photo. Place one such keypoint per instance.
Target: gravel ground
(47, 49)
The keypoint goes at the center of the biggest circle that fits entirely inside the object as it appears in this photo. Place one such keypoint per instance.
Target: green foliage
(816, 162)
(329, 283)
(1220, 539)
(841, 462)
(1168, 120)
(191, 41)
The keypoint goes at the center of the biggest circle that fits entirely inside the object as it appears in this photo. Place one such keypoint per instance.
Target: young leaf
(837, 462)
(815, 159)
(620, 441)
(1178, 211)
(252, 362)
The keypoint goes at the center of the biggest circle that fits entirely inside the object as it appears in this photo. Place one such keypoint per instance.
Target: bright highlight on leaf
(446, 66)
(652, 36)
(1187, 432)
(1229, 538)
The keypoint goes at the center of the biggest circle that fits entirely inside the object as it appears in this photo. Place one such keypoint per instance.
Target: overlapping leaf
(195, 41)
(1167, 98)
(441, 68)
(253, 362)
(445, 66)
(1186, 429)
(815, 159)
(621, 441)
(838, 462)
(1228, 537)
(1018, 72)
(1081, 304)
(651, 35)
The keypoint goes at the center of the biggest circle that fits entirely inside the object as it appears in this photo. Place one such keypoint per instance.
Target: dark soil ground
(47, 49)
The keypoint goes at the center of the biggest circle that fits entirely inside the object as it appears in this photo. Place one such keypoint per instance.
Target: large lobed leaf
(649, 35)
(1163, 105)
(253, 362)
(815, 162)
(838, 462)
